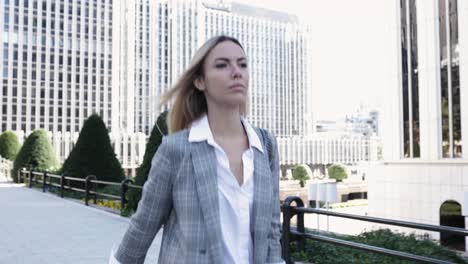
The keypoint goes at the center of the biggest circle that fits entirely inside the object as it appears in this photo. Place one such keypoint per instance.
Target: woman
(214, 181)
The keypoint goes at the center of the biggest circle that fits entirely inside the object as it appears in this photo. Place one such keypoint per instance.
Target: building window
(450, 79)
(410, 89)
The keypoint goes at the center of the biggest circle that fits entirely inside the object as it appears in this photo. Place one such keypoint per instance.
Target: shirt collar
(200, 131)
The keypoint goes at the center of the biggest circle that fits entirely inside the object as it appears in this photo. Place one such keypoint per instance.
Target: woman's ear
(199, 83)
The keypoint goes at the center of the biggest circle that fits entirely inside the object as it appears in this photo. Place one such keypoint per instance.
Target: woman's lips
(237, 87)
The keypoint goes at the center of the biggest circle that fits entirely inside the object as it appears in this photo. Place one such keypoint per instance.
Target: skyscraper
(277, 47)
(56, 63)
(64, 60)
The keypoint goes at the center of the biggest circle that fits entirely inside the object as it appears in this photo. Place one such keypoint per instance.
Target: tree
(157, 133)
(337, 172)
(93, 154)
(37, 153)
(302, 173)
(9, 145)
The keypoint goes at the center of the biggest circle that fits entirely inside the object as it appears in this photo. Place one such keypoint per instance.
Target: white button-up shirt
(235, 201)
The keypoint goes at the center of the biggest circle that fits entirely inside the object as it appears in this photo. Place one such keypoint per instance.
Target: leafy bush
(302, 173)
(324, 253)
(93, 154)
(110, 189)
(337, 172)
(159, 130)
(9, 145)
(37, 152)
(66, 193)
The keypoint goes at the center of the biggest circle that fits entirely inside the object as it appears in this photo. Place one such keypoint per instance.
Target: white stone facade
(414, 188)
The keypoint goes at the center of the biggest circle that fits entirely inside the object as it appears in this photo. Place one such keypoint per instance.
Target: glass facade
(278, 52)
(410, 80)
(450, 79)
(278, 57)
(56, 64)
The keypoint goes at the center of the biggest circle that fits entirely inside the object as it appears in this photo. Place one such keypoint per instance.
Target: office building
(277, 47)
(423, 176)
(56, 64)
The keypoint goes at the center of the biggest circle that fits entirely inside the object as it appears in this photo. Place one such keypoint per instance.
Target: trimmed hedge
(302, 173)
(325, 253)
(93, 154)
(9, 145)
(157, 133)
(337, 172)
(37, 152)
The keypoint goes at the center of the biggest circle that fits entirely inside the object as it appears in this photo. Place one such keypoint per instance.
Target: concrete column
(392, 108)
(463, 51)
(429, 79)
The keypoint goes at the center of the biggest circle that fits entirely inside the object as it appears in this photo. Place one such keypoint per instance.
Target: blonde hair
(190, 103)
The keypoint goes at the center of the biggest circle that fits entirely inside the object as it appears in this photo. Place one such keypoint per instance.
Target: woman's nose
(236, 72)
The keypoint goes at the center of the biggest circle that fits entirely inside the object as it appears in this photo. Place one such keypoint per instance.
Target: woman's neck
(225, 123)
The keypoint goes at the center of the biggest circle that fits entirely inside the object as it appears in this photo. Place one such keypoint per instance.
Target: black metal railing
(90, 185)
(298, 234)
(289, 234)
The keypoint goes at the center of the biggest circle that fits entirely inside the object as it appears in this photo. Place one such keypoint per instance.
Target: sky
(348, 52)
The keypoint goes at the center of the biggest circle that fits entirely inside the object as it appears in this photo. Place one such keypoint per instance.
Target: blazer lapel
(261, 205)
(204, 164)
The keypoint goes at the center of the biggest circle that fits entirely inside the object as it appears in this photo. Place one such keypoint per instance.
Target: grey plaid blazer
(181, 194)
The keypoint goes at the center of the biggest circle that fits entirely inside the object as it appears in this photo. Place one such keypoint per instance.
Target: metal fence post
(30, 177)
(87, 186)
(87, 190)
(62, 183)
(300, 225)
(286, 238)
(44, 177)
(123, 192)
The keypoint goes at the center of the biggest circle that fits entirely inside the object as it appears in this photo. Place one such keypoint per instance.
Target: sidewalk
(38, 228)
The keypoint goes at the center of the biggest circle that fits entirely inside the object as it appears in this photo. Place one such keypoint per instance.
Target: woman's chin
(237, 101)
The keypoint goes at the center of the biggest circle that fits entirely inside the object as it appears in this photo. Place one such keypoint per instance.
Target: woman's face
(226, 77)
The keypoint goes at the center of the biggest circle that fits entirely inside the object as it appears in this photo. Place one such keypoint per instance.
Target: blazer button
(202, 251)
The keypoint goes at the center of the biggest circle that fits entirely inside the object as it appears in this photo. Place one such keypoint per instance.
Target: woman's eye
(243, 65)
(221, 65)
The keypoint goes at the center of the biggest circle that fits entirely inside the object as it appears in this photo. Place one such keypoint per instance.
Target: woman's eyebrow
(227, 59)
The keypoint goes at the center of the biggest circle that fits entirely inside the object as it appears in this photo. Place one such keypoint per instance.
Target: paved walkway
(39, 228)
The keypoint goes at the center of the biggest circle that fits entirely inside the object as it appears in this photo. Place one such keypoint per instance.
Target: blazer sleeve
(153, 209)
(274, 248)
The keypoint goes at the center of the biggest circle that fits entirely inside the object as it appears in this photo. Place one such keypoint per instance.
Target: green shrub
(66, 193)
(110, 189)
(93, 154)
(159, 130)
(324, 253)
(37, 152)
(9, 145)
(302, 173)
(337, 172)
